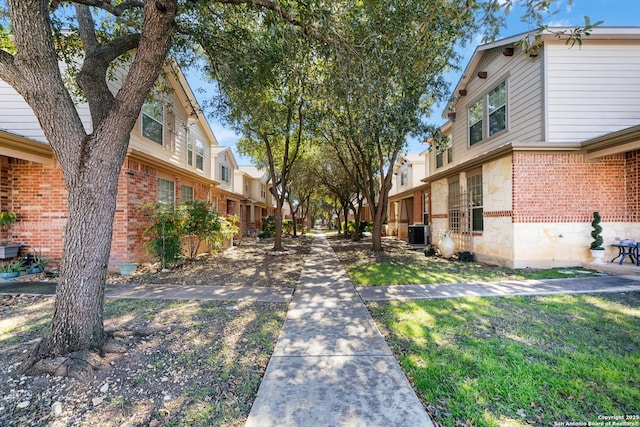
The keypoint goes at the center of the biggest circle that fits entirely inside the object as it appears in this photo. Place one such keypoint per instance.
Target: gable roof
(219, 149)
(551, 33)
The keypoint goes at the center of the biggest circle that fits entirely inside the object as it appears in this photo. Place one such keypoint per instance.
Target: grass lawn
(438, 270)
(397, 264)
(517, 361)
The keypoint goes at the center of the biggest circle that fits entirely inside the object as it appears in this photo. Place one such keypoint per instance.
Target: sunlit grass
(519, 360)
(438, 271)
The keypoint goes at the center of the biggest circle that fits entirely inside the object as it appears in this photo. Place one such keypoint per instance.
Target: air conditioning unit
(418, 234)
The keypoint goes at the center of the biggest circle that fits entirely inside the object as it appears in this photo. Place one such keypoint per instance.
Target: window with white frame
(214, 203)
(199, 155)
(224, 174)
(186, 193)
(263, 191)
(190, 151)
(474, 188)
(404, 178)
(166, 192)
(152, 121)
(490, 109)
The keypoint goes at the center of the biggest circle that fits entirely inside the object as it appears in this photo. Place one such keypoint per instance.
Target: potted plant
(8, 250)
(35, 264)
(597, 250)
(128, 268)
(11, 269)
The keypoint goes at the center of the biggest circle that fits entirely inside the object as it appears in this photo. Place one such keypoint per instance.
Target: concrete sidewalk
(167, 292)
(331, 366)
(579, 285)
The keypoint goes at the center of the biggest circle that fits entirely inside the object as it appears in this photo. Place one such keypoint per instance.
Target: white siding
(591, 90)
(17, 117)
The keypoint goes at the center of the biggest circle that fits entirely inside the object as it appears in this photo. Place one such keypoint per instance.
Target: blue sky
(612, 12)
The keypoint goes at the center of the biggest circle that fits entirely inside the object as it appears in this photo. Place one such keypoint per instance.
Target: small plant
(466, 256)
(429, 250)
(164, 234)
(12, 267)
(596, 245)
(444, 234)
(7, 218)
(268, 227)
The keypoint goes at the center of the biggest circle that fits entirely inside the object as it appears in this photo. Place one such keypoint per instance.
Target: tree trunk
(90, 163)
(77, 318)
(277, 236)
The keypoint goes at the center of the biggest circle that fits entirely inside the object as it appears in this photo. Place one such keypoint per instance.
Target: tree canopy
(371, 68)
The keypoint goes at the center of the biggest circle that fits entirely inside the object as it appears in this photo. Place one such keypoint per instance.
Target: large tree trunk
(90, 163)
(77, 319)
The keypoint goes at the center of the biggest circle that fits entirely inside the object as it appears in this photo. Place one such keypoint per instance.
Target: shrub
(268, 227)
(465, 256)
(198, 222)
(597, 238)
(164, 233)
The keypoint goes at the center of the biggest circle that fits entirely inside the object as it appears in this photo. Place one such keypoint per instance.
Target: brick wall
(632, 177)
(37, 194)
(562, 187)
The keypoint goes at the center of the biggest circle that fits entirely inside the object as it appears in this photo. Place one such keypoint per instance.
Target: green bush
(268, 227)
(192, 223)
(198, 223)
(164, 234)
(287, 226)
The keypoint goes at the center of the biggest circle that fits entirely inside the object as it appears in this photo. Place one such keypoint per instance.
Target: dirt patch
(167, 363)
(198, 363)
(253, 263)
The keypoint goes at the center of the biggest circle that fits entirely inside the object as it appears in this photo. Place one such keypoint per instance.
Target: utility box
(418, 234)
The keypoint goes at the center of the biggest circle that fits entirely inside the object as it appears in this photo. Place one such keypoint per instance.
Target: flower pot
(34, 270)
(128, 268)
(598, 255)
(446, 246)
(9, 275)
(9, 251)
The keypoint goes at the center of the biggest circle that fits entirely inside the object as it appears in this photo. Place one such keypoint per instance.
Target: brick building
(534, 145)
(173, 157)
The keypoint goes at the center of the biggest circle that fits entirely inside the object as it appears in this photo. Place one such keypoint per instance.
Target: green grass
(519, 360)
(436, 270)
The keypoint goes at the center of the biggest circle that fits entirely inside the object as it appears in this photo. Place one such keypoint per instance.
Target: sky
(612, 12)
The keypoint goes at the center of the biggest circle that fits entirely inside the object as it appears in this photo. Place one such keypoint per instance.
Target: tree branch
(106, 5)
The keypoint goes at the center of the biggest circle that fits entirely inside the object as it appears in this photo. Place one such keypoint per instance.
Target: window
(497, 107)
(214, 203)
(404, 177)
(190, 151)
(454, 206)
(474, 187)
(152, 121)
(186, 193)
(425, 208)
(263, 191)
(166, 192)
(491, 109)
(224, 174)
(444, 147)
(475, 123)
(199, 155)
